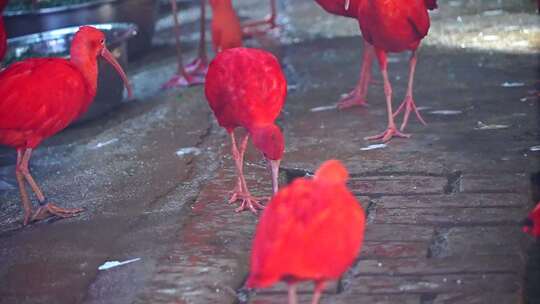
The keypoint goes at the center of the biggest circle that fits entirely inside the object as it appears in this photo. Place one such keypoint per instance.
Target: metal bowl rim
(58, 9)
(130, 30)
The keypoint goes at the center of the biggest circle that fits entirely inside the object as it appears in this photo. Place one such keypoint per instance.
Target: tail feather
(431, 4)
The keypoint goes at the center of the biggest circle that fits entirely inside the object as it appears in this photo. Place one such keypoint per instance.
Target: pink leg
(391, 130)
(292, 293)
(47, 208)
(319, 287)
(251, 28)
(182, 77)
(199, 65)
(27, 205)
(248, 202)
(408, 103)
(357, 97)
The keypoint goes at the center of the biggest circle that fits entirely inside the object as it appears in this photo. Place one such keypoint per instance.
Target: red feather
(311, 230)
(337, 7)
(226, 30)
(532, 224)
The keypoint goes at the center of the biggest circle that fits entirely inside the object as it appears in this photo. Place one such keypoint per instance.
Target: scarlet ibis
(3, 39)
(357, 97)
(395, 26)
(39, 97)
(246, 88)
(311, 230)
(267, 23)
(226, 31)
(193, 73)
(531, 224)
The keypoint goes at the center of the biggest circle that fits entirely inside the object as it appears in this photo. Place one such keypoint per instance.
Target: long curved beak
(273, 166)
(110, 58)
(347, 3)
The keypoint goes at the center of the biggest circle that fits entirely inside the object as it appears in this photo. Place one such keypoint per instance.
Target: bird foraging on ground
(531, 225)
(246, 88)
(41, 96)
(358, 96)
(395, 26)
(311, 230)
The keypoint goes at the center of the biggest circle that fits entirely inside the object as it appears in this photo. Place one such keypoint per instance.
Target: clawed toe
(250, 204)
(388, 134)
(50, 209)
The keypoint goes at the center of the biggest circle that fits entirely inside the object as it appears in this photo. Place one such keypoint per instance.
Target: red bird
(3, 37)
(246, 88)
(226, 30)
(532, 223)
(311, 230)
(395, 26)
(39, 97)
(349, 8)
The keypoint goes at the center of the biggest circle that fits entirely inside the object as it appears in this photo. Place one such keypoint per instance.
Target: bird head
(332, 171)
(90, 41)
(531, 224)
(270, 141)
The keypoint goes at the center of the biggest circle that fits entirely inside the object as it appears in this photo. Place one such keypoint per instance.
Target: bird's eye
(102, 41)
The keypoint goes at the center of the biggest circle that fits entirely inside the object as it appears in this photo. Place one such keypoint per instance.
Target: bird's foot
(199, 66)
(250, 203)
(353, 99)
(259, 27)
(408, 106)
(385, 136)
(49, 209)
(180, 81)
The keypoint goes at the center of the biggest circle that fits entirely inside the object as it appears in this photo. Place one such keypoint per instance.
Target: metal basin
(56, 43)
(141, 12)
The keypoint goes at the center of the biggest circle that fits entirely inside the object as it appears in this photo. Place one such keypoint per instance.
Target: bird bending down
(61, 91)
(395, 26)
(246, 88)
(358, 96)
(531, 225)
(311, 230)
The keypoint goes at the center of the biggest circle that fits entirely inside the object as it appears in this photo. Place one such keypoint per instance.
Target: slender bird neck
(86, 63)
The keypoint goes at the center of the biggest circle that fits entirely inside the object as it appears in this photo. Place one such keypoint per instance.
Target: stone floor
(443, 207)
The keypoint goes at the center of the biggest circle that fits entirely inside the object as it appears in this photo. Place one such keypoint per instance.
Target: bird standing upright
(358, 96)
(395, 26)
(226, 31)
(246, 88)
(3, 36)
(311, 230)
(532, 222)
(41, 96)
(193, 73)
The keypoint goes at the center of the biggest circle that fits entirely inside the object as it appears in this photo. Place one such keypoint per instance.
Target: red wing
(418, 17)
(37, 92)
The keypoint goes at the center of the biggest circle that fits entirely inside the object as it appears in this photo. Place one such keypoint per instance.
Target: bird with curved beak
(39, 97)
(246, 88)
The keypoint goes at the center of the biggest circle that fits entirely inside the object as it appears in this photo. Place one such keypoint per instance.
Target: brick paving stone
(382, 232)
(515, 183)
(425, 266)
(443, 283)
(454, 200)
(446, 210)
(397, 184)
(493, 297)
(389, 249)
(340, 299)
